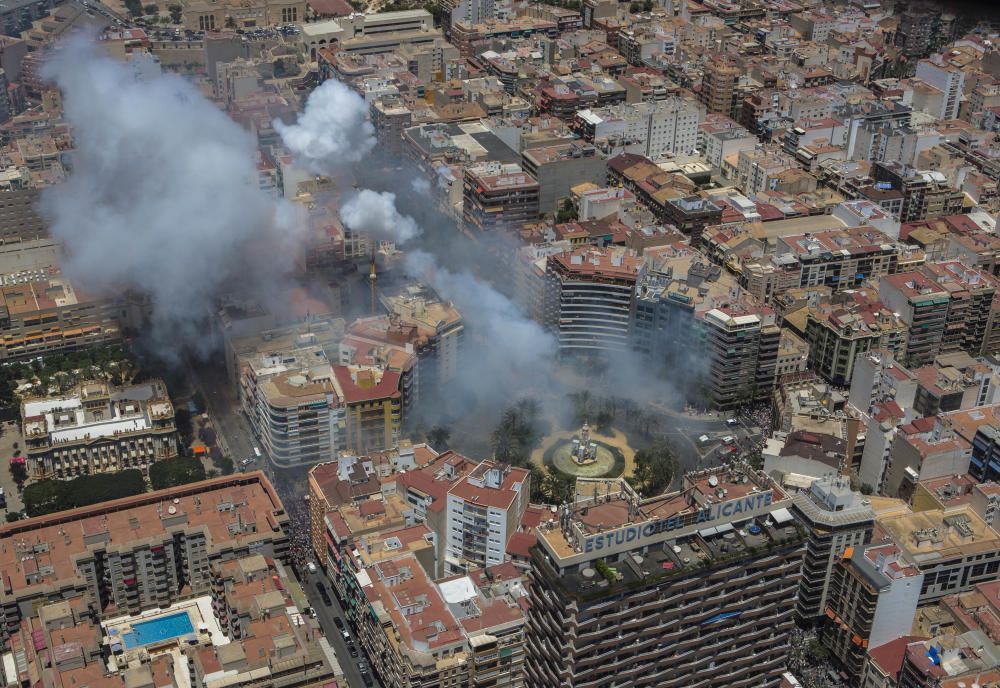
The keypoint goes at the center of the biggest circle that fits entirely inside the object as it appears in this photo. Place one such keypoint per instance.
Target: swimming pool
(158, 630)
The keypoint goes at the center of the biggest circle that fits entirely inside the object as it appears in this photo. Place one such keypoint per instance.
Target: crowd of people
(300, 541)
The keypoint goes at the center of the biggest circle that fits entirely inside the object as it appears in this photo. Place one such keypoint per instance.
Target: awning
(725, 527)
(708, 532)
(781, 515)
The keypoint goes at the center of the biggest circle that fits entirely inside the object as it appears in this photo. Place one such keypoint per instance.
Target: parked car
(338, 623)
(312, 567)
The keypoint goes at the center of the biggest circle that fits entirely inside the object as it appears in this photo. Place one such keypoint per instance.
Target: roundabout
(581, 455)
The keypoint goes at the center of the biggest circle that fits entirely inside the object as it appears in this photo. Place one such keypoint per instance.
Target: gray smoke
(374, 213)
(163, 198)
(509, 350)
(332, 130)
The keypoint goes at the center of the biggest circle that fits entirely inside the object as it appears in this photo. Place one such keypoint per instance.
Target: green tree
(230, 22)
(438, 437)
(655, 467)
(517, 433)
(49, 496)
(175, 13)
(151, 9)
(134, 7)
(173, 472)
(19, 471)
(13, 516)
(567, 212)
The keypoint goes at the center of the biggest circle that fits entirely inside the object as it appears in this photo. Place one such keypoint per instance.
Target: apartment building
(970, 306)
(837, 518)
(947, 79)
(873, 596)
(840, 258)
(498, 197)
(760, 169)
(954, 549)
(651, 129)
(440, 332)
(98, 428)
(837, 336)
(718, 87)
(923, 306)
(741, 340)
(41, 312)
(140, 552)
(673, 284)
(926, 193)
(588, 297)
(484, 509)
(560, 167)
(674, 590)
(291, 399)
(461, 631)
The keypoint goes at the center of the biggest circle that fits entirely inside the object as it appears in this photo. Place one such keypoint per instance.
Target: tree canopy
(49, 496)
(178, 471)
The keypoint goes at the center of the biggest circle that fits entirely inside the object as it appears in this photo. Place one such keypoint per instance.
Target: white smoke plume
(510, 346)
(332, 130)
(374, 213)
(163, 196)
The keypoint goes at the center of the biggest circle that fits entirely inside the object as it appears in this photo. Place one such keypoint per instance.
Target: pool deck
(616, 439)
(199, 611)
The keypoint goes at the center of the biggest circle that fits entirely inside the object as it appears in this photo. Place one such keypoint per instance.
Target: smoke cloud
(163, 197)
(331, 131)
(374, 213)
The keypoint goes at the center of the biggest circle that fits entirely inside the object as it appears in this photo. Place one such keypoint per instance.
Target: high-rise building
(690, 588)
(718, 87)
(872, 599)
(837, 518)
(98, 428)
(684, 307)
(588, 296)
(970, 306)
(742, 343)
(923, 306)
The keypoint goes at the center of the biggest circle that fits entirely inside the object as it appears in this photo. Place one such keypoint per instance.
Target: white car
(311, 566)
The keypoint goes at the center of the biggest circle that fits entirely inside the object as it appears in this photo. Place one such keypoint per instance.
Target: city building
(588, 297)
(484, 510)
(651, 129)
(837, 518)
(954, 548)
(718, 87)
(560, 167)
(98, 428)
(499, 197)
(440, 332)
(138, 553)
(923, 306)
(873, 596)
(670, 590)
(42, 312)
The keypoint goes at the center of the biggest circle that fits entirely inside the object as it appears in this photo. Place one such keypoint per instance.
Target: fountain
(584, 451)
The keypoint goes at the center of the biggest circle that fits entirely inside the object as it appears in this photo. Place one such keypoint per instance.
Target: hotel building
(688, 589)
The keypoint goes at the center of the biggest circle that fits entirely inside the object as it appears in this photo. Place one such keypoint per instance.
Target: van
(728, 439)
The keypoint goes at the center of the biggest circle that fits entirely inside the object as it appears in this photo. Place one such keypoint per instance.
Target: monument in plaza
(584, 451)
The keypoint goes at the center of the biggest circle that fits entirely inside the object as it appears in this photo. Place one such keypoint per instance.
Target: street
(325, 616)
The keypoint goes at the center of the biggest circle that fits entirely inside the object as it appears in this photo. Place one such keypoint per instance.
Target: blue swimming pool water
(157, 630)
